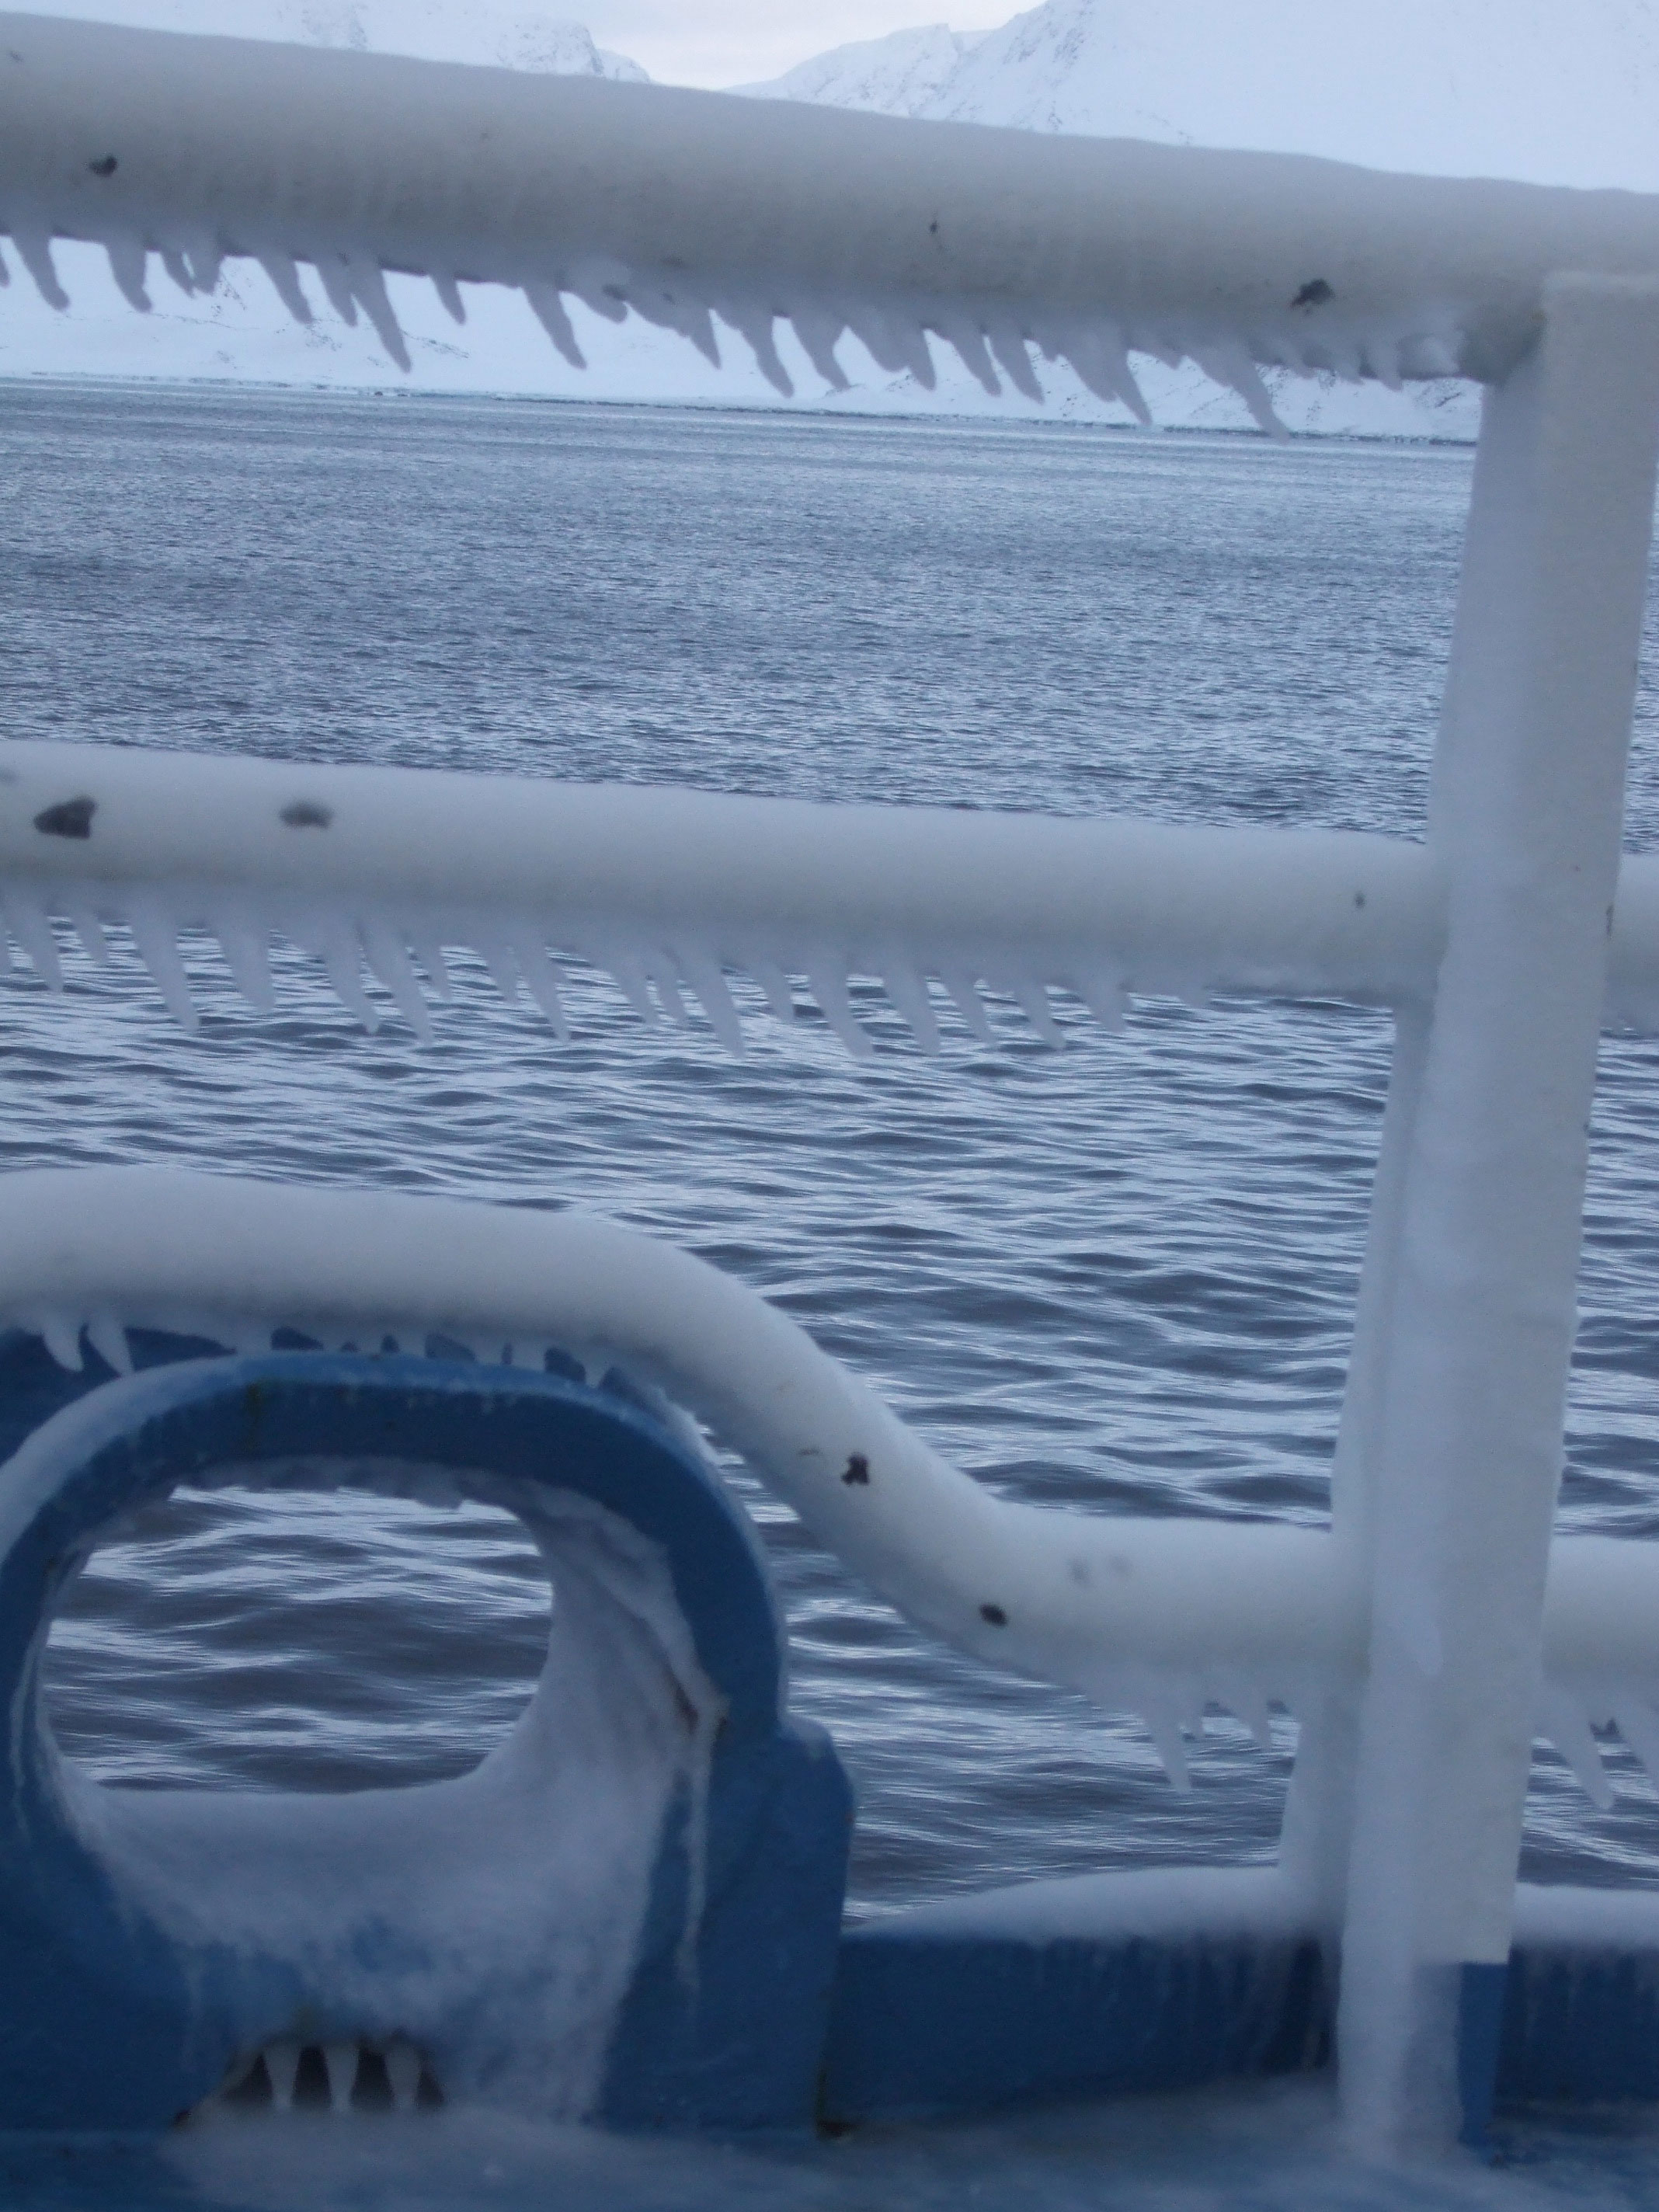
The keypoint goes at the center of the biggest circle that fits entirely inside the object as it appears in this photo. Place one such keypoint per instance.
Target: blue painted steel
(1580, 2026)
(1480, 1990)
(927, 2024)
(106, 2022)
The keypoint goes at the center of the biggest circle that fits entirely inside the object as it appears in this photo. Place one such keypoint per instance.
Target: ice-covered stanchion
(1476, 1248)
(631, 1908)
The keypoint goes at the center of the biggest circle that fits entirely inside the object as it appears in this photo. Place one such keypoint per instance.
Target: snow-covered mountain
(1560, 92)
(906, 73)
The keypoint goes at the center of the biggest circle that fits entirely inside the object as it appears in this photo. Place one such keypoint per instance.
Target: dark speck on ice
(306, 814)
(70, 817)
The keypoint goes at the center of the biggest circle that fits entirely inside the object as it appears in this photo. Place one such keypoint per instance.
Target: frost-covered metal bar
(377, 869)
(675, 204)
(1466, 1454)
(1158, 1617)
(677, 886)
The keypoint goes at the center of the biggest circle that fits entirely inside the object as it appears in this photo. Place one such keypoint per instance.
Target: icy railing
(686, 208)
(1501, 944)
(1159, 1617)
(376, 871)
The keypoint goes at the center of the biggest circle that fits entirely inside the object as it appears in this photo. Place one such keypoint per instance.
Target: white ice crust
(491, 1921)
(679, 205)
(1161, 1617)
(376, 870)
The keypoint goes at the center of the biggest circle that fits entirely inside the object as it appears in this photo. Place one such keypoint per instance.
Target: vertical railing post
(1463, 1410)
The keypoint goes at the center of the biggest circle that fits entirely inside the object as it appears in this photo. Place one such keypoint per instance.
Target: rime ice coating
(684, 206)
(1162, 1618)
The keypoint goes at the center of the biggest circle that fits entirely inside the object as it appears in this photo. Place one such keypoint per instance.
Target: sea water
(1118, 1278)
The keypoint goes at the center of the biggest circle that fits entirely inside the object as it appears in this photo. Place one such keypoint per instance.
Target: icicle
(964, 992)
(83, 918)
(908, 342)
(26, 917)
(540, 976)
(1561, 1720)
(1009, 350)
(1227, 361)
(629, 977)
(246, 949)
(369, 284)
(337, 283)
(63, 1339)
(704, 975)
(1638, 1724)
(661, 974)
(1147, 337)
(341, 955)
(1430, 355)
(828, 985)
(1031, 996)
(109, 1341)
(449, 292)
(384, 950)
(429, 951)
(816, 333)
(173, 261)
(548, 308)
(497, 956)
(753, 324)
(1251, 1708)
(1190, 1711)
(285, 280)
(1165, 1729)
(776, 987)
(153, 934)
(957, 331)
(909, 991)
(1101, 358)
(674, 311)
(128, 262)
(1101, 994)
(876, 331)
(205, 257)
(34, 251)
(1383, 359)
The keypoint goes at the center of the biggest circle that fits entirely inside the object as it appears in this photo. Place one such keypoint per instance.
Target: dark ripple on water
(1120, 1277)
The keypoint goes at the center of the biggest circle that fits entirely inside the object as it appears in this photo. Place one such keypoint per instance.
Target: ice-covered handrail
(1156, 1616)
(677, 204)
(670, 889)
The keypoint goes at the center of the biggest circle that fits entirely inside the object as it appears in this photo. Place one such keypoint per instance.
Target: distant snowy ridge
(906, 73)
(1563, 92)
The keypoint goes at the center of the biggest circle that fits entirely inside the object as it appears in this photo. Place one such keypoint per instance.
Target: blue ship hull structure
(747, 2004)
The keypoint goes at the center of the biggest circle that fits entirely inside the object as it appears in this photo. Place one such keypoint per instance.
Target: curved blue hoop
(106, 2020)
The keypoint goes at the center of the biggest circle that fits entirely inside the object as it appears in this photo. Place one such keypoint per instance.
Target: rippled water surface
(1119, 1276)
